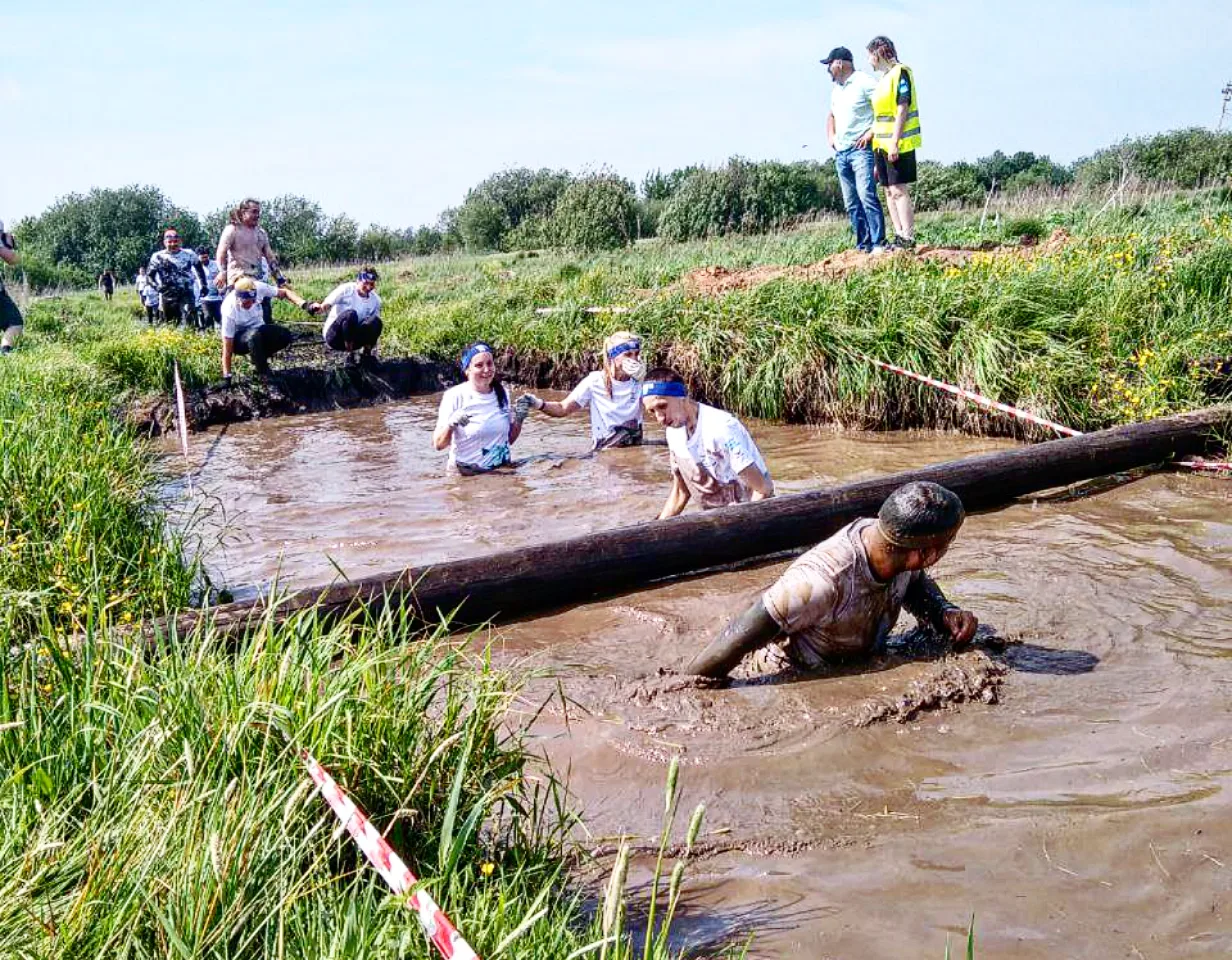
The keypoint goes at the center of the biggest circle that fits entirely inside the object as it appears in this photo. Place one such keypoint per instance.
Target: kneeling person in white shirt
(612, 394)
(244, 330)
(713, 457)
(475, 420)
(354, 321)
(842, 598)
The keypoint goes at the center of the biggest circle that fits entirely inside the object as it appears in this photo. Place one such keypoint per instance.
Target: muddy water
(1084, 814)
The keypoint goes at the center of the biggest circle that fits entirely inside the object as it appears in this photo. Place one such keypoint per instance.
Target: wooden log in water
(531, 580)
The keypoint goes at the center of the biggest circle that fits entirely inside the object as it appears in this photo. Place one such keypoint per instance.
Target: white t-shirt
(237, 319)
(711, 459)
(484, 442)
(623, 408)
(346, 296)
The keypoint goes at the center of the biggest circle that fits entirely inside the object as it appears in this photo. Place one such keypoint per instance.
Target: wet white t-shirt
(711, 459)
(622, 409)
(346, 296)
(829, 602)
(484, 442)
(237, 319)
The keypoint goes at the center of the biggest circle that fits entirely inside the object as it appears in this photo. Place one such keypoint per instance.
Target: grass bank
(1101, 330)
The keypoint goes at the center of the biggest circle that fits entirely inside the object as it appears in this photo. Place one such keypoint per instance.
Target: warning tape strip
(389, 865)
(1213, 466)
(976, 398)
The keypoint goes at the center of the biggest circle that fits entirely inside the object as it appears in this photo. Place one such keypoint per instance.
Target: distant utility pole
(1227, 98)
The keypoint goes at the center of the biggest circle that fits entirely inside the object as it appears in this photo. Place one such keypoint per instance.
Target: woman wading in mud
(613, 395)
(475, 420)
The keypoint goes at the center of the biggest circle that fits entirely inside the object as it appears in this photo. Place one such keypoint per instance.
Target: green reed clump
(155, 803)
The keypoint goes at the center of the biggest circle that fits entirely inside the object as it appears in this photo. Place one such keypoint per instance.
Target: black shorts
(891, 174)
(10, 316)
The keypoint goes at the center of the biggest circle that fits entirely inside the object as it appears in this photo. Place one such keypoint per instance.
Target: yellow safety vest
(885, 108)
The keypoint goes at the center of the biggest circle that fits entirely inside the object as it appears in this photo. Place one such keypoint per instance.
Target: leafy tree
(502, 201)
(595, 212)
(380, 243)
(1188, 158)
(943, 185)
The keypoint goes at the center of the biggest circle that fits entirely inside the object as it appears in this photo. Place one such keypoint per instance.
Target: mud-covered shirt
(623, 408)
(829, 603)
(483, 443)
(709, 459)
(174, 274)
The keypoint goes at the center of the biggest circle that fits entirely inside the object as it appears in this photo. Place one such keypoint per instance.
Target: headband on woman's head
(664, 388)
(628, 346)
(366, 275)
(472, 352)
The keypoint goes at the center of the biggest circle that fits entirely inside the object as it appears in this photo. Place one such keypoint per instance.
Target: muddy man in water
(842, 598)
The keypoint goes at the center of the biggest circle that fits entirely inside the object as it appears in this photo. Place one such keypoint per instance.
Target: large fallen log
(529, 580)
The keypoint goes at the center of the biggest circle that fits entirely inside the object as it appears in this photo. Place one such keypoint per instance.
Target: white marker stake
(182, 418)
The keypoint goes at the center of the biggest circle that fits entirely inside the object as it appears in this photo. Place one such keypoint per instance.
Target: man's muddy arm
(750, 631)
(925, 601)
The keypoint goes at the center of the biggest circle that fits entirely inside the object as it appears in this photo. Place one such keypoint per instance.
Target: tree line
(80, 235)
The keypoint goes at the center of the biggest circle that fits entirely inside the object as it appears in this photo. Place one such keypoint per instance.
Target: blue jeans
(855, 175)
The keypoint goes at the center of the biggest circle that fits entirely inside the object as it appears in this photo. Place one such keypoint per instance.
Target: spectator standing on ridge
(849, 130)
(10, 317)
(107, 283)
(172, 273)
(241, 247)
(896, 135)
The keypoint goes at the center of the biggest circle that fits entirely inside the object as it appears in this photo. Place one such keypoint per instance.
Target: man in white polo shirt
(849, 130)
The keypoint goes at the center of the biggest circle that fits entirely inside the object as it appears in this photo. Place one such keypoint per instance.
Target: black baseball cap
(838, 53)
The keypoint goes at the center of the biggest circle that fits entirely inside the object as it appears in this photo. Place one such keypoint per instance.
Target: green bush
(1028, 229)
(1188, 158)
(502, 201)
(747, 197)
(596, 212)
(940, 186)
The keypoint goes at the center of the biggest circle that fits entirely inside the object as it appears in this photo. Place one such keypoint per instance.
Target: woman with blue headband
(354, 320)
(474, 420)
(612, 394)
(714, 460)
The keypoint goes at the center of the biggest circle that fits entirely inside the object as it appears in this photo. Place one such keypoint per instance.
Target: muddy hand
(961, 624)
(524, 404)
(460, 419)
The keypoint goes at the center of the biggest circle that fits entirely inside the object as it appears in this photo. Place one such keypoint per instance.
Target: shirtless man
(714, 460)
(842, 598)
(242, 246)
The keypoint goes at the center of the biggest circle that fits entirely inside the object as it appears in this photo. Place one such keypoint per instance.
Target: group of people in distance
(839, 600)
(231, 291)
(874, 130)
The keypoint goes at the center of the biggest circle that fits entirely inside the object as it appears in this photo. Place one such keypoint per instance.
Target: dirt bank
(715, 281)
(303, 389)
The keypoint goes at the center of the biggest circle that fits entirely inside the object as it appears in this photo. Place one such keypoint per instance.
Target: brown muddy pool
(1084, 814)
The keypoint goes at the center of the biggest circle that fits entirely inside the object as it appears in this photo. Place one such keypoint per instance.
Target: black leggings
(348, 332)
(261, 343)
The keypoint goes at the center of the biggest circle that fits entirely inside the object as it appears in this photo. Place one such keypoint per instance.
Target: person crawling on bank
(612, 394)
(714, 460)
(841, 599)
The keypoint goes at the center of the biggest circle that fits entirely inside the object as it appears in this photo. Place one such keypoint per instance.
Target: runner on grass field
(713, 457)
(612, 394)
(11, 322)
(842, 598)
(172, 272)
(475, 421)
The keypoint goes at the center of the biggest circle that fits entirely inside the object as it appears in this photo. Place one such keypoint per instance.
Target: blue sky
(390, 111)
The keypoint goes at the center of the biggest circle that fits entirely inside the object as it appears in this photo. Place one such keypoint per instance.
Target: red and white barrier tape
(976, 398)
(389, 865)
(1212, 466)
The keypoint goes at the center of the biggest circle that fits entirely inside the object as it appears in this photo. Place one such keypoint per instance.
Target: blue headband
(629, 346)
(664, 388)
(364, 275)
(472, 352)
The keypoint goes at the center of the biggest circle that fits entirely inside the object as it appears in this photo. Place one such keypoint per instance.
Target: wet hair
(498, 387)
(369, 268)
(883, 47)
(919, 515)
(237, 215)
(617, 338)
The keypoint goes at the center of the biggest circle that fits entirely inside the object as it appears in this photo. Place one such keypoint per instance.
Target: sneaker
(879, 251)
(902, 243)
(6, 349)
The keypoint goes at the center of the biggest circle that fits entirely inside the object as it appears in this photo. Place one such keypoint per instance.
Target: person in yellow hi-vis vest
(896, 135)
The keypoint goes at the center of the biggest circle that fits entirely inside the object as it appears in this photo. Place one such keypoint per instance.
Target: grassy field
(152, 800)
